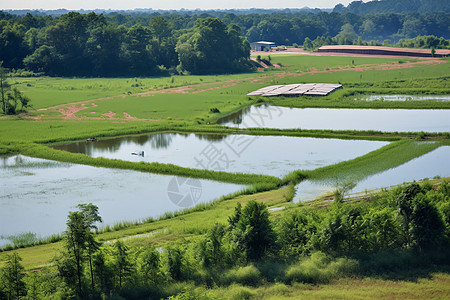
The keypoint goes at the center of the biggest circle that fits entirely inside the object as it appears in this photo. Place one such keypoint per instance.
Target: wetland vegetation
(209, 249)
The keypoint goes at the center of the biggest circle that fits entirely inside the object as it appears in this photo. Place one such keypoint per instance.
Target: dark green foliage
(236, 216)
(10, 99)
(103, 272)
(175, 262)
(341, 233)
(123, 265)
(253, 233)
(211, 250)
(122, 44)
(150, 267)
(12, 278)
(294, 233)
(213, 47)
(80, 245)
(426, 225)
(312, 242)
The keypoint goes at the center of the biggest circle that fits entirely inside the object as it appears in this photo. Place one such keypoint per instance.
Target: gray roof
(263, 42)
(308, 89)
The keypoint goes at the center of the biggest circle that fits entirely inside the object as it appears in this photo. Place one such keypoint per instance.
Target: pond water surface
(270, 155)
(36, 195)
(434, 163)
(388, 120)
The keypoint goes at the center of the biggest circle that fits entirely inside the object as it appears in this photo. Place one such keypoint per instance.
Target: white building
(262, 46)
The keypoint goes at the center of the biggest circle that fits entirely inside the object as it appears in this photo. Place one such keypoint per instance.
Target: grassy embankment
(17, 134)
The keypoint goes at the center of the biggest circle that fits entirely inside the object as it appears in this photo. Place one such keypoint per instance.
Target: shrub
(319, 268)
(248, 275)
(236, 292)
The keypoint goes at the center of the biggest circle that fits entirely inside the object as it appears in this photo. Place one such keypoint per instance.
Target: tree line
(421, 6)
(395, 231)
(92, 45)
(147, 44)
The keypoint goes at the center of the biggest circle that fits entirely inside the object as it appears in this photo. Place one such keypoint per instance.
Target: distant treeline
(399, 6)
(118, 44)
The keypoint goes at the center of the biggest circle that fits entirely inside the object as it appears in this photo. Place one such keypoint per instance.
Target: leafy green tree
(382, 231)
(342, 232)
(12, 277)
(213, 47)
(347, 35)
(342, 189)
(211, 249)
(15, 97)
(91, 217)
(254, 234)
(103, 49)
(75, 241)
(4, 87)
(175, 262)
(80, 243)
(307, 44)
(44, 59)
(236, 216)
(426, 226)
(405, 207)
(12, 46)
(150, 266)
(294, 232)
(137, 51)
(123, 266)
(103, 271)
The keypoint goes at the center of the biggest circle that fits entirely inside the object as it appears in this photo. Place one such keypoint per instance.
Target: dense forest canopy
(154, 43)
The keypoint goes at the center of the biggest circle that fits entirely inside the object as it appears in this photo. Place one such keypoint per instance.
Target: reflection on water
(389, 120)
(36, 195)
(270, 155)
(434, 163)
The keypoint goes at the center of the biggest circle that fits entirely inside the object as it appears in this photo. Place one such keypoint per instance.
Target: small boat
(139, 153)
(92, 139)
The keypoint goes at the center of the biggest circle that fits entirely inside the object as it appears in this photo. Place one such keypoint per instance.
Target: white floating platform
(295, 90)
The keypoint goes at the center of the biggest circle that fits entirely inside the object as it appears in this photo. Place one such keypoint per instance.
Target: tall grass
(320, 268)
(28, 239)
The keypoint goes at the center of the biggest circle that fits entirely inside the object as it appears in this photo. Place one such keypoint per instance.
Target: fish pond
(432, 164)
(269, 155)
(36, 195)
(387, 120)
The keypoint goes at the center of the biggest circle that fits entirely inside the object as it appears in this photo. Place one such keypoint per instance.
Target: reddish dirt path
(69, 112)
(109, 114)
(127, 116)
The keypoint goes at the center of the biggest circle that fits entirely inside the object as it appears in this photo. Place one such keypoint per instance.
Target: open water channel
(434, 163)
(387, 120)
